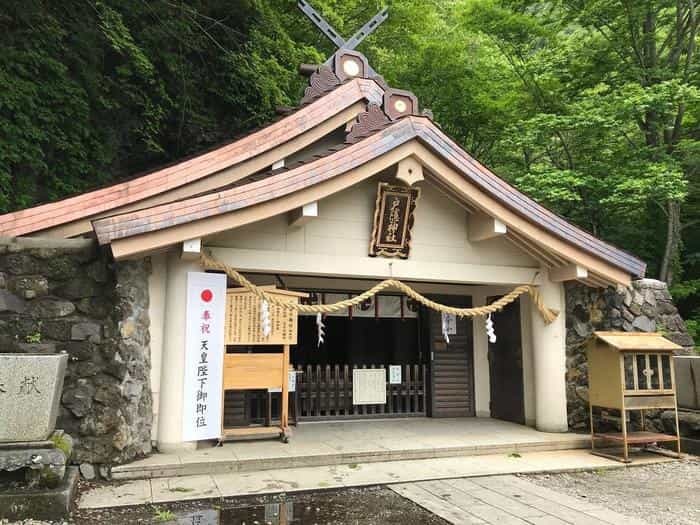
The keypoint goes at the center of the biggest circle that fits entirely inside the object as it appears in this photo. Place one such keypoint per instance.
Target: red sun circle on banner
(207, 295)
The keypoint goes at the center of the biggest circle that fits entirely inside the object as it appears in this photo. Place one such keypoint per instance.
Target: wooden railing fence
(325, 392)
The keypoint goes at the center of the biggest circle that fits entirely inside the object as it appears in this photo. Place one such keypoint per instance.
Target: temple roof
(155, 186)
(236, 183)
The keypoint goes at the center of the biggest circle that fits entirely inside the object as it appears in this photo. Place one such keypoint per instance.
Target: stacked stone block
(65, 295)
(646, 306)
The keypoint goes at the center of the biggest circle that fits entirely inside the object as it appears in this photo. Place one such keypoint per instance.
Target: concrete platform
(344, 443)
(217, 486)
(41, 503)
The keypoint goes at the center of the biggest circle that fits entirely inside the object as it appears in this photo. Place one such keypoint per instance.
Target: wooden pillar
(549, 349)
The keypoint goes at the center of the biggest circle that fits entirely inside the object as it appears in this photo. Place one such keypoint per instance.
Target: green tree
(613, 83)
(92, 91)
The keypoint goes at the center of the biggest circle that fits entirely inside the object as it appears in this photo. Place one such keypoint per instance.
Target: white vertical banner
(204, 356)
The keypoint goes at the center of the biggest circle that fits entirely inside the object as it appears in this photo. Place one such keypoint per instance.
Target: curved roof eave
(142, 190)
(175, 214)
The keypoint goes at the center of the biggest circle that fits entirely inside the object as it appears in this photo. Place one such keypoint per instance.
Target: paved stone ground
(506, 500)
(662, 494)
(163, 490)
(344, 442)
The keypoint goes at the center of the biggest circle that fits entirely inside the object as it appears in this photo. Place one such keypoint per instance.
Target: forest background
(592, 107)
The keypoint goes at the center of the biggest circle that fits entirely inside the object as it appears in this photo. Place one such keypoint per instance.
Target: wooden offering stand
(631, 371)
(251, 371)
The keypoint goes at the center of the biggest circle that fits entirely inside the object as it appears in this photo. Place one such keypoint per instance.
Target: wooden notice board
(251, 371)
(254, 371)
(243, 322)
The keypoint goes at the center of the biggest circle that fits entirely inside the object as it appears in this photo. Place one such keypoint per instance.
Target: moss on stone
(63, 443)
(49, 478)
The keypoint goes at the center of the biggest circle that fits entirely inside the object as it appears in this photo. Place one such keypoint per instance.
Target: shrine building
(356, 185)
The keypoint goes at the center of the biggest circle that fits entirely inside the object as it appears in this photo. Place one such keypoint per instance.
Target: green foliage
(61, 442)
(162, 515)
(34, 338)
(94, 91)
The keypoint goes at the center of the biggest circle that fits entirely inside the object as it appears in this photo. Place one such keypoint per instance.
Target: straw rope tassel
(548, 314)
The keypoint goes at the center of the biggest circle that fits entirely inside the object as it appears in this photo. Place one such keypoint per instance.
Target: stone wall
(644, 307)
(67, 296)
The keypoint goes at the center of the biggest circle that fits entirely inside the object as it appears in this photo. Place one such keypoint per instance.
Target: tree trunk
(673, 241)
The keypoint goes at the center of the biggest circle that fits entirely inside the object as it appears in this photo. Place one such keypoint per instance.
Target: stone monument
(34, 479)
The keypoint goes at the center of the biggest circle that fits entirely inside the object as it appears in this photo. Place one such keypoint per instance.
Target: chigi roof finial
(346, 64)
(352, 64)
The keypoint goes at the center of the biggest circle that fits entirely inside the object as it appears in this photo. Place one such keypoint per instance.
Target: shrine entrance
(382, 333)
(385, 333)
(506, 366)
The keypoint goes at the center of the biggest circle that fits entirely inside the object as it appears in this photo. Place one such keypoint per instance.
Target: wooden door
(506, 365)
(452, 364)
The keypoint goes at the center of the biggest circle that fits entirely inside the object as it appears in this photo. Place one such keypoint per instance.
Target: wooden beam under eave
(191, 249)
(482, 227)
(570, 272)
(410, 171)
(372, 268)
(300, 216)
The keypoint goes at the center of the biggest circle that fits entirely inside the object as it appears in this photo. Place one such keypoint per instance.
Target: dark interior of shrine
(358, 341)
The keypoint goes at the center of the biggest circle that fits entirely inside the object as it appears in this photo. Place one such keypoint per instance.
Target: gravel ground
(33, 522)
(660, 494)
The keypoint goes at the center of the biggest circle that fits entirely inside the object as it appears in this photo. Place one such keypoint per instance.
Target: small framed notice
(395, 374)
(369, 386)
(449, 324)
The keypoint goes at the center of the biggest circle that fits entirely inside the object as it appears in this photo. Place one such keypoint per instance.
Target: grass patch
(161, 515)
(514, 455)
(61, 443)
(353, 466)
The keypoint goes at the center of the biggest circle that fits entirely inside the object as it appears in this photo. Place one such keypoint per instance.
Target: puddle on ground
(284, 512)
(279, 513)
(352, 506)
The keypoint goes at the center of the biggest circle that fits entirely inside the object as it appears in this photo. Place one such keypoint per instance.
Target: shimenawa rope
(548, 315)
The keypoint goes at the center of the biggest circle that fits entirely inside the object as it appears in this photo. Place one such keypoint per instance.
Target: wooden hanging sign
(393, 220)
(243, 319)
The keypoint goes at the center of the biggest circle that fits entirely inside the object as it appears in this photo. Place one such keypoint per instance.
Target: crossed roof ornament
(335, 37)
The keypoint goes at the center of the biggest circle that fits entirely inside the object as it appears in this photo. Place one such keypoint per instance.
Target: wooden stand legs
(284, 412)
(644, 440)
(257, 372)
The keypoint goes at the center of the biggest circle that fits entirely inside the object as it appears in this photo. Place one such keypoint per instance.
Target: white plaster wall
(156, 312)
(173, 356)
(344, 227)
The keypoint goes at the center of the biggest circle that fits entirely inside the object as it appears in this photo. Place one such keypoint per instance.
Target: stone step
(221, 460)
